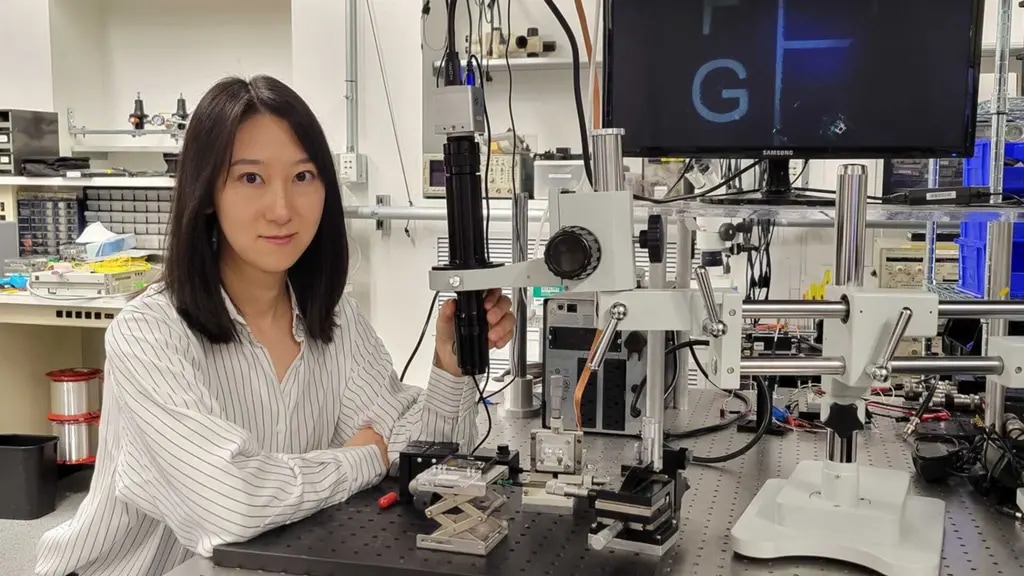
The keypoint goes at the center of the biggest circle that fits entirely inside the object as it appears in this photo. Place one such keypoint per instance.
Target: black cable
(487, 410)
(711, 428)
(481, 73)
(763, 390)
(577, 86)
(423, 333)
(450, 62)
(511, 115)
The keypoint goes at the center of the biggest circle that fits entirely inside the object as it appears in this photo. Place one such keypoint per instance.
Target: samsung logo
(776, 152)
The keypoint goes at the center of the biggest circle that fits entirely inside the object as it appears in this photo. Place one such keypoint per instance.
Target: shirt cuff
(449, 395)
(366, 468)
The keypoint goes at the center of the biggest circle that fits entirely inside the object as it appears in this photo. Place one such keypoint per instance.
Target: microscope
(834, 508)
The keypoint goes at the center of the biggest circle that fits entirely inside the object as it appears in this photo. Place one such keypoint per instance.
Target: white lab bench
(40, 334)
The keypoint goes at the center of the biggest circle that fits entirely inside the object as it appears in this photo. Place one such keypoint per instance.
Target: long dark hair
(192, 272)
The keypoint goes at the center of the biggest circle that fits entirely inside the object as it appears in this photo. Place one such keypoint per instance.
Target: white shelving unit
(105, 182)
(85, 147)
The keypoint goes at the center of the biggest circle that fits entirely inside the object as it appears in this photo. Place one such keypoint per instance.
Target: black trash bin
(28, 476)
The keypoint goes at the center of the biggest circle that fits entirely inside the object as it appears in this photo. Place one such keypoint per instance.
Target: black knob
(653, 239)
(503, 450)
(572, 253)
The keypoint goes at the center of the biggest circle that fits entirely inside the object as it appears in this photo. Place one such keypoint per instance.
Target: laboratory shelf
(948, 291)
(103, 181)
(25, 308)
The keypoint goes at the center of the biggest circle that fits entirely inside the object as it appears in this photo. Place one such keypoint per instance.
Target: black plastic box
(28, 476)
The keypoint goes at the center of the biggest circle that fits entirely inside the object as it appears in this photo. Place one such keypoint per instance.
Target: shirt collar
(298, 328)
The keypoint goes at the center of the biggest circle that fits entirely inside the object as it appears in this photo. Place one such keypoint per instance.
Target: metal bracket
(380, 224)
(81, 131)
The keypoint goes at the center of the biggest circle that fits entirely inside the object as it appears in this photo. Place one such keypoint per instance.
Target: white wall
(25, 81)
(106, 51)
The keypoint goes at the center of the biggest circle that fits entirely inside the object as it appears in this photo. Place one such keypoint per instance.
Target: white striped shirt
(201, 445)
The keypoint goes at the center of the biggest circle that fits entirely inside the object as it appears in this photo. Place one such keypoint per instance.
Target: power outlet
(351, 168)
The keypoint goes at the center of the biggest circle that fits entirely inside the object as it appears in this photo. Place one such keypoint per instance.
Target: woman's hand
(500, 320)
(369, 437)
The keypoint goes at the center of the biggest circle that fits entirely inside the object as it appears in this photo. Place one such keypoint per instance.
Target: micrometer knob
(572, 253)
(602, 538)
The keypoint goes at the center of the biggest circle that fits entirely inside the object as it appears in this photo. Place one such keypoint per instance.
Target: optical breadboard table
(357, 538)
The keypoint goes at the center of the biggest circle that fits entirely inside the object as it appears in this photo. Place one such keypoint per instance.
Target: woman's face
(271, 200)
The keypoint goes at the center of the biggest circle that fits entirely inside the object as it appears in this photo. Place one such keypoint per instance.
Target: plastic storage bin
(976, 169)
(973, 251)
(28, 476)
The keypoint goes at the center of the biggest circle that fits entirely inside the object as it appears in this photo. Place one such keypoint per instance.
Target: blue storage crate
(976, 169)
(972, 267)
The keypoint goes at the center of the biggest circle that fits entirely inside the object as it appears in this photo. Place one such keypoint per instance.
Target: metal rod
(851, 218)
(825, 309)
(879, 372)
(684, 267)
(799, 366)
(519, 399)
(498, 214)
(850, 236)
(654, 406)
(929, 365)
(931, 229)
(351, 77)
(1005, 309)
(607, 153)
(793, 309)
(1000, 235)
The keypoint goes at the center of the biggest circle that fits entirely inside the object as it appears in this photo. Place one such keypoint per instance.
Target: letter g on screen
(741, 96)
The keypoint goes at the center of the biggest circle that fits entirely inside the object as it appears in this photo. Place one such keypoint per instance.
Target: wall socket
(351, 167)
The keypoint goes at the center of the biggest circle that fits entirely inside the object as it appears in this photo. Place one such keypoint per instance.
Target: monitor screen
(793, 78)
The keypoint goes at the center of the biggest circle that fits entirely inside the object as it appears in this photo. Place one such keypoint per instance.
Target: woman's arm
(444, 411)
(183, 463)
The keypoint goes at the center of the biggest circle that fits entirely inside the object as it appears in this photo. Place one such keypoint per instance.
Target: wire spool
(78, 440)
(75, 394)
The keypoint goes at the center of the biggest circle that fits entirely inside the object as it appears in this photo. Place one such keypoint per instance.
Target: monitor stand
(778, 190)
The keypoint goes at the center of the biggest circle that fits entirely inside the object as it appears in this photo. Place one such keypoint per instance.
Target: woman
(245, 391)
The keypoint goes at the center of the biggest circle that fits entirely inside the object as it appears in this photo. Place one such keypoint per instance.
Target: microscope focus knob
(572, 253)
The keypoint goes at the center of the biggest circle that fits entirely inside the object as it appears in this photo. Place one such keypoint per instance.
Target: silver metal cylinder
(797, 366)
(601, 539)
(931, 229)
(606, 150)
(654, 407)
(929, 365)
(351, 77)
(519, 400)
(841, 450)
(1000, 234)
(999, 309)
(684, 268)
(795, 309)
(850, 224)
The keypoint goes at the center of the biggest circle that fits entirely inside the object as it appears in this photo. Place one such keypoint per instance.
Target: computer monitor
(788, 79)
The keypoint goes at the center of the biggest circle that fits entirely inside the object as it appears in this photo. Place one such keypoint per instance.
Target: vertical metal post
(684, 267)
(654, 406)
(850, 232)
(351, 77)
(931, 229)
(851, 224)
(1000, 234)
(519, 402)
(606, 144)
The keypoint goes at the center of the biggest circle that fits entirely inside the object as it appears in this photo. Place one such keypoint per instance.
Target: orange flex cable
(588, 45)
(581, 384)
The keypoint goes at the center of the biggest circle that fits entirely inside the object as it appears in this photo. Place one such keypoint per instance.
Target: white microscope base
(891, 532)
